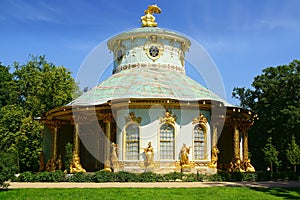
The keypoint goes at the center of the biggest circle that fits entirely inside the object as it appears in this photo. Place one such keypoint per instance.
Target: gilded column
(246, 161)
(54, 152)
(215, 136)
(107, 118)
(76, 165)
(76, 139)
(236, 143)
(218, 122)
(52, 162)
(245, 145)
(214, 150)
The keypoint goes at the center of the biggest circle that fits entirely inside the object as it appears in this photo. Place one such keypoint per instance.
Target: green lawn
(153, 193)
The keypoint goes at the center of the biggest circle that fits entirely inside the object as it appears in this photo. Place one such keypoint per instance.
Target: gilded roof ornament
(148, 20)
(200, 119)
(168, 118)
(133, 118)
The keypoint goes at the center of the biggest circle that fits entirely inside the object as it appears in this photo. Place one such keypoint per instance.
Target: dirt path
(263, 184)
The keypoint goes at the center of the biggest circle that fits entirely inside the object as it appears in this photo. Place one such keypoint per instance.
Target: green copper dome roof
(147, 82)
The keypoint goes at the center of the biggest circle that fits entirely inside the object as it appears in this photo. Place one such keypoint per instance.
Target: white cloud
(23, 11)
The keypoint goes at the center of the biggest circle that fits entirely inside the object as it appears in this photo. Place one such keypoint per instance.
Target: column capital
(106, 117)
(240, 123)
(54, 123)
(78, 119)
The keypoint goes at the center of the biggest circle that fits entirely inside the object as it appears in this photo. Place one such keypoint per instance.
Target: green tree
(5, 85)
(33, 89)
(293, 153)
(275, 96)
(68, 156)
(43, 86)
(8, 167)
(270, 154)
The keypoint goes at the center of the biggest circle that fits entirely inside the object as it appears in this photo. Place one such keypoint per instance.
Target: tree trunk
(295, 168)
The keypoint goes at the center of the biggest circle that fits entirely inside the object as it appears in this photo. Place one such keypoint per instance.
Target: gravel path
(264, 184)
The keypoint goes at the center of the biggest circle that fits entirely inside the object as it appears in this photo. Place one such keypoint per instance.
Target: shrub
(8, 167)
(123, 176)
(148, 177)
(216, 177)
(189, 177)
(173, 176)
(249, 176)
(68, 156)
(103, 176)
(80, 177)
(56, 176)
(263, 176)
(26, 177)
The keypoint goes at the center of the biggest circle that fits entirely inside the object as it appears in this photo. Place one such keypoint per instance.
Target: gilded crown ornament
(148, 20)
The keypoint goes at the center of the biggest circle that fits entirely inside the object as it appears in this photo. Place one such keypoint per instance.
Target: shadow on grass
(286, 193)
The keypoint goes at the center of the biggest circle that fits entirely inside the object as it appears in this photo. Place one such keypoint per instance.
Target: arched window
(199, 142)
(167, 142)
(132, 141)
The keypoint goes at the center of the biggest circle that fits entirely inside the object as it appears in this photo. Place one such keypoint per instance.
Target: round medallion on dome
(153, 48)
(153, 51)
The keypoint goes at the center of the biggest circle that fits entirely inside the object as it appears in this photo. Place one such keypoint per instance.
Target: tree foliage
(8, 166)
(270, 154)
(275, 97)
(26, 93)
(293, 153)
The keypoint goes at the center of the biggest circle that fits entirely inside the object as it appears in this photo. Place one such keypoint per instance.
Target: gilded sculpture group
(149, 156)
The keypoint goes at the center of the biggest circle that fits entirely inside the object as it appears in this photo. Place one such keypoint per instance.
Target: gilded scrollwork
(214, 157)
(132, 118)
(200, 119)
(76, 166)
(106, 117)
(167, 118)
(54, 123)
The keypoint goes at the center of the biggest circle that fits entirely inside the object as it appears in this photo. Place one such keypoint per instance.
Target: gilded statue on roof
(148, 20)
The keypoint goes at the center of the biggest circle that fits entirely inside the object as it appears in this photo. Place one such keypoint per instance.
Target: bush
(26, 177)
(123, 176)
(8, 167)
(217, 177)
(263, 176)
(56, 176)
(80, 177)
(189, 178)
(286, 175)
(149, 177)
(249, 176)
(103, 176)
(173, 176)
(68, 156)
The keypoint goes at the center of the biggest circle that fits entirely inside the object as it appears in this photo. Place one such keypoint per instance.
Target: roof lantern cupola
(149, 46)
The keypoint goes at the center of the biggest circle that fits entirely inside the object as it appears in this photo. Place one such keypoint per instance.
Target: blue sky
(242, 37)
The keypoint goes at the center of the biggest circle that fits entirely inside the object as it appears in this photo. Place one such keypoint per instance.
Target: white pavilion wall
(150, 125)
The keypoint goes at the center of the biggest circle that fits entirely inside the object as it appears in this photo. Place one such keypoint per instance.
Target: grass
(153, 193)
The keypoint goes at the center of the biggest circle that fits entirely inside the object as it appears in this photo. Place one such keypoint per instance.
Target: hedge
(122, 176)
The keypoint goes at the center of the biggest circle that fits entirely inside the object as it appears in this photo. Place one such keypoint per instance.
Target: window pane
(199, 142)
(166, 142)
(132, 142)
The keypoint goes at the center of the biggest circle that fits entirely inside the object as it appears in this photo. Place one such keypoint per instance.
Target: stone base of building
(160, 167)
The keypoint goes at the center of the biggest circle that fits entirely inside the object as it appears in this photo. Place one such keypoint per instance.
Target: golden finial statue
(148, 20)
